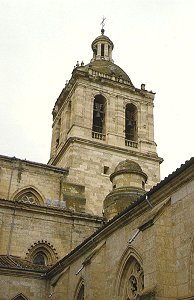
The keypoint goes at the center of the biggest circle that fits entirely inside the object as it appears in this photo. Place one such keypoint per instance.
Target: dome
(102, 38)
(128, 166)
(107, 67)
(102, 61)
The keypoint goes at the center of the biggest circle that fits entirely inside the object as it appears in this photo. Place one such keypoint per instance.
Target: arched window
(40, 258)
(130, 124)
(98, 126)
(42, 253)
(28, 195)
(135, 282)
(131, 281)
(81, 293)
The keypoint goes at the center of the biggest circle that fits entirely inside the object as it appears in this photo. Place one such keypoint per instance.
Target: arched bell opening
(131, 125)
(99, 110)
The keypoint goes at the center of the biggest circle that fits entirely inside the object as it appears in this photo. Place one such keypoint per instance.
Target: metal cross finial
(102, 23)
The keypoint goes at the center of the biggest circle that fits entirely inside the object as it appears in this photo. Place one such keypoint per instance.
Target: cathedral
(96, 222)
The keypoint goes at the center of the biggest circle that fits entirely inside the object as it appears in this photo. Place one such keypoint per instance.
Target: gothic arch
(19, 297)
(130, 277)
(79, 293)
(42, 253)
(29, 195)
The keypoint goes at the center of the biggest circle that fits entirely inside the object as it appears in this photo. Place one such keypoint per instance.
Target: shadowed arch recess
(29, 195)
(42, 253)
(79, 294)
(130, 276)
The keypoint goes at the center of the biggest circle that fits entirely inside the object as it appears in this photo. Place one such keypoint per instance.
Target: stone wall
(86, 162)
(23, 226)
(28, 286)
(163, 248)
(16, 175)
(85, 155)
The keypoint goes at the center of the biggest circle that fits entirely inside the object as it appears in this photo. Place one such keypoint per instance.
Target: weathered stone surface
(47, 212)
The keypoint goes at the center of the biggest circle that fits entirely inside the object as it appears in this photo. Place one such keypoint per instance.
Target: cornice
(22, 272)
(46, 210)
(34, 164)
(102, 79)
(95, 144)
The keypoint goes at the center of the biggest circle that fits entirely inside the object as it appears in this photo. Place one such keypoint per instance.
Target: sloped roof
(166, 180)
(15, 262)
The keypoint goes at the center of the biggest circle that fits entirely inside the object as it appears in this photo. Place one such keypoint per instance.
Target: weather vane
(102, 23)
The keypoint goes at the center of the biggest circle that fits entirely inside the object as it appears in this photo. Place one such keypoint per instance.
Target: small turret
(128, 182)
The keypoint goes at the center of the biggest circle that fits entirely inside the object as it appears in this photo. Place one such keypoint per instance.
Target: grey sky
(41, 40)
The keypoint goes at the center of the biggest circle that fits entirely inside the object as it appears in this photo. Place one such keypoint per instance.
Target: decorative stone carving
(135, 284)
(28, 198)
(42, 248)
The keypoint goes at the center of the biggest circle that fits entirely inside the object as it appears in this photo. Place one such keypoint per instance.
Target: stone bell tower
(99, 120)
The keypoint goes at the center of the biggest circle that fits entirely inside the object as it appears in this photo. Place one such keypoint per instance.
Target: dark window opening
(108, 50)
(57, 142)
(95, 51)
(39, 259)
(58, 129)
(102, 49)
(98, 114)
(131, 122)
(106, 170)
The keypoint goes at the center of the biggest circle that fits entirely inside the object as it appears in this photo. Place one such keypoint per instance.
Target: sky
(41, 41)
